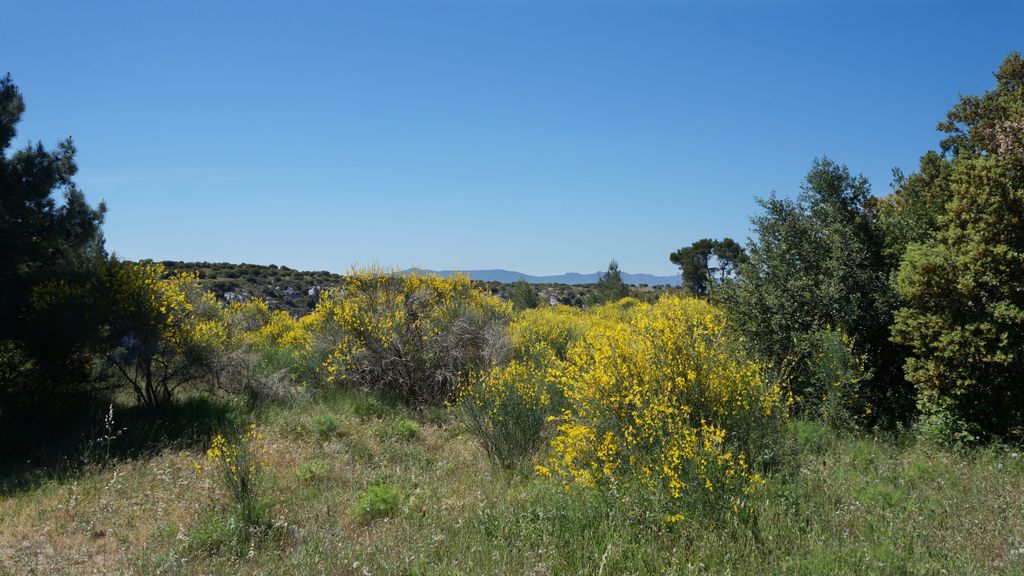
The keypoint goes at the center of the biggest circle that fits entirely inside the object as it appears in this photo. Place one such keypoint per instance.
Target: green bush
(834, 373)
(366, 406)
(313, 471)
(963, 307)
(523, 295)
(379, 501)
(326, 425)
(406, 429)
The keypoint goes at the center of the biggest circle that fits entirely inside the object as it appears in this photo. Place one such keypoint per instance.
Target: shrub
(326, 425)
(406, 429)
(667, 400)
(818, 263)
(834, 376)
(165, 332)
(239, 467)
(378, 501)
(314, 471)
(507, 408)
(406, 337)
(366, 406)
(555, 328)
(281, 343)
(523, 295)
(963, 317)
(243, 371)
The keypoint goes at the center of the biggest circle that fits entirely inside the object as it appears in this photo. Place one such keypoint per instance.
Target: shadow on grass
(38, 448)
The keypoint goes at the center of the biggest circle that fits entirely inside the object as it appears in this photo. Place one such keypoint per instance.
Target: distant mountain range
(568, 278)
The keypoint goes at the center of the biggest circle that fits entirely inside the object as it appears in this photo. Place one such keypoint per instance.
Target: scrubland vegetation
(840, 396)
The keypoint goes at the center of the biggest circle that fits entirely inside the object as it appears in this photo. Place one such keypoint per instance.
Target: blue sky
(540, 136)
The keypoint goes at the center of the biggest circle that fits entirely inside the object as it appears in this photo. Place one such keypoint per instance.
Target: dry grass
(856, 506)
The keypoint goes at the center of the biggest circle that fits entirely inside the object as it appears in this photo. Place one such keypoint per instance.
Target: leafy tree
(961, 280)
(610, 286)
(523, 295)
(818, 266)
(48, 253)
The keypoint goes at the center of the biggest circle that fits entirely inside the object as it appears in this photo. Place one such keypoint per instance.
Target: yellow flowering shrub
(555, 328)
(239, 467)
(661, 395)
(408, 336)
(243, 318)
(167, 329)
(507, 407)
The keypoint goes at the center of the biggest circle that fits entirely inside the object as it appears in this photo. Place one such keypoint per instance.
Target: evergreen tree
(610, 287)
(700, 262)
(962, 276)
(49, 251)
(523, 295)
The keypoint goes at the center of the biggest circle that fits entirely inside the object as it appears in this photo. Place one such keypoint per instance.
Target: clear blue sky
(540, 136)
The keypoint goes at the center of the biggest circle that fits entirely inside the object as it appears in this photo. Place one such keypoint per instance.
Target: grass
(851, 505)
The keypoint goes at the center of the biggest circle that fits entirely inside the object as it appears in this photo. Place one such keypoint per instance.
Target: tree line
(915, 298)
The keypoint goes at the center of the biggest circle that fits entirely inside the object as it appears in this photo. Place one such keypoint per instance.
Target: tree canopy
(50, 242)
(707, 262)
(960, 277)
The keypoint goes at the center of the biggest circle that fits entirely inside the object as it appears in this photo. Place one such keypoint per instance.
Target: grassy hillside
(855, 505)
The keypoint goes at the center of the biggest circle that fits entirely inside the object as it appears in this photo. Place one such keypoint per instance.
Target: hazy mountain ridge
(499, 275)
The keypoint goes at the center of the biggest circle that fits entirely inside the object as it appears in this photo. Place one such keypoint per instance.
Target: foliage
(367, 406)
(314, 471)
(523, 295)
(49, 249)
(326, 425)
(378, 501)
(833, 395)
(911, 213)
(406, 429)
(240, 469)
(610, 286)
(695, 263)
(963, 310)
(407, 337)
(665, 399)
(555, 328)
(507, 407)
(164, 332)
(819, 264)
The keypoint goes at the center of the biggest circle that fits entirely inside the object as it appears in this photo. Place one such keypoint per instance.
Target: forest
(841, 393)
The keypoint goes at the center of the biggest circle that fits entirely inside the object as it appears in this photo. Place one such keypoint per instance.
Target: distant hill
(508, 276)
